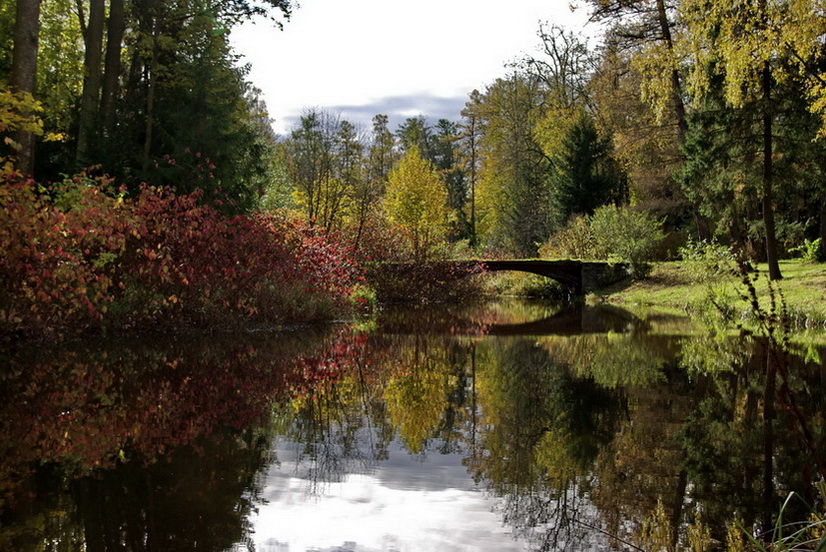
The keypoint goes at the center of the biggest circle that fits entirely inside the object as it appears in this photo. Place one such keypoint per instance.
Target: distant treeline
(704, 117)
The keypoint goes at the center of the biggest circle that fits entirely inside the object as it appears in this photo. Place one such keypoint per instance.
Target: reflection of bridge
(578, 277)
(573, 318)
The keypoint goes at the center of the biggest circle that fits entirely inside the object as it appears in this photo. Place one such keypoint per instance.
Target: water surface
(500, 426)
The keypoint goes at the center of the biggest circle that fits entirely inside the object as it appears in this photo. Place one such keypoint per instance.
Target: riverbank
(673, 287)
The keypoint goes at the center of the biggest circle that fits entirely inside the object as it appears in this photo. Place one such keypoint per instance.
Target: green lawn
(670, 287)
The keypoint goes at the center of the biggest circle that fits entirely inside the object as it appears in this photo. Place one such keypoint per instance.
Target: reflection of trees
(417, 392)
(744, 448)
(639, 463)
(196, 498)
(543, 428)
(571, 435)
(614, 360)
(399, 385)
(579, 434)
(641, 466)
(341, 426)
(86, 416)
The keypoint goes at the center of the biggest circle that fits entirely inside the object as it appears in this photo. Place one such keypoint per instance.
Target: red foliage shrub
(93, 405)
(81, 258)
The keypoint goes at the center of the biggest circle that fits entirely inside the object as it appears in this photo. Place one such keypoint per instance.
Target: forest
(143, 179)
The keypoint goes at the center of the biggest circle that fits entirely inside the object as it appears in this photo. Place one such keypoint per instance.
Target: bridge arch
(578, 277)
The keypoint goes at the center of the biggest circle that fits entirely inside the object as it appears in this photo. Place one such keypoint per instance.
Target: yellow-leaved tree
(416, 200)
(751, 48)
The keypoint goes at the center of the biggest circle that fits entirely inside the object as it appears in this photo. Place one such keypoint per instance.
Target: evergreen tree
(415, 131)
(140, 88)
(585, 176)
(447, 162)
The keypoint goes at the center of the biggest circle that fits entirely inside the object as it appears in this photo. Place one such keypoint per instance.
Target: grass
(670, 287)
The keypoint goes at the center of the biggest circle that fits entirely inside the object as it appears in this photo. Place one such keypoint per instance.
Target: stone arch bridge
(577, 277)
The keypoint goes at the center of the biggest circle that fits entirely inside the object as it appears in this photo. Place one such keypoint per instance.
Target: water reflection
(143, 445)
(490, 427)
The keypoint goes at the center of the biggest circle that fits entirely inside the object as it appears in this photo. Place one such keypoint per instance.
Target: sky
(363, 57)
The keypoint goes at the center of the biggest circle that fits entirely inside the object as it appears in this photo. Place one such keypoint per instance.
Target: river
(506, 425)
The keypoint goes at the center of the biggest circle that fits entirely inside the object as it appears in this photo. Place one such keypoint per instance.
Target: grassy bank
(674, 287)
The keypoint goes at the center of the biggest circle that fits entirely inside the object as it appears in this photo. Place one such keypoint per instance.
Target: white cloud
(370, 515)
(357, 53)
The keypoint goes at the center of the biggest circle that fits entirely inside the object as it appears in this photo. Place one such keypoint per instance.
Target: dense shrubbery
(708, 262)
(396, 274)
(611, 233)
(79, 257)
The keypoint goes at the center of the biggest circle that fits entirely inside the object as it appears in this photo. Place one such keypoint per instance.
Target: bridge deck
(577, 276)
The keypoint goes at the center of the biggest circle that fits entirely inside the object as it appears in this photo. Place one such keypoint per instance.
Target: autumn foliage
(78, 257)
(92, 405)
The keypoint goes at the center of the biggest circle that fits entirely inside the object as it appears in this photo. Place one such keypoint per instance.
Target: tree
(417, 201)
(59, 86)
(469, 155)
(348, 169)
(753, 48)
(446, 161)
(309, 160)
(117, 78)
(115, 28)
(377, 164)
(645, 26)
(564, 68)
(24, 71)
(513, 202)
(639, 91)
(585, 175)
(90, 98)
(649, 149)
(415, 131)
(8, 13)
(382, 156)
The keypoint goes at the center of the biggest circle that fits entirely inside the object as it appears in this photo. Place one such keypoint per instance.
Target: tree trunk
(114, 32)
(676, 85)
(768, 175)
(90, 98)
(24, 71)
(150, 104)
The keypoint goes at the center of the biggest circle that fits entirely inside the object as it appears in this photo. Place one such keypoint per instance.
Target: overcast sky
(363, 57)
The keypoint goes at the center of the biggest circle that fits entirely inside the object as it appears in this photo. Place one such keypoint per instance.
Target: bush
(705, 261)
(574, 241)
(630, 236)
(396, 274)
(81, 257)
(611, 233)
(809, 250)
